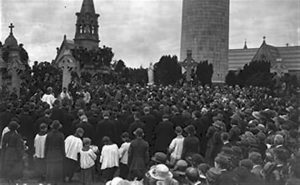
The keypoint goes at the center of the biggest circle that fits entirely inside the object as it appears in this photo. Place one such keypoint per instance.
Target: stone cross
(188, 64)
(11, 27)
(67, 64)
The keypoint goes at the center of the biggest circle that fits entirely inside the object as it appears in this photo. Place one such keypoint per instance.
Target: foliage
(256, 73)
(167, 70)
(204, 73)
(98, 57)
(119, 66)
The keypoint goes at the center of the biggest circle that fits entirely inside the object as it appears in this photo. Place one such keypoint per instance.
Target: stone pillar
(15, 81)
(67, 64)
(150, 74)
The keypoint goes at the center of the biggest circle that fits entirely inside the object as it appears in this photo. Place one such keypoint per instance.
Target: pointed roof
(11, 41)
(87, 7)
(266, 53)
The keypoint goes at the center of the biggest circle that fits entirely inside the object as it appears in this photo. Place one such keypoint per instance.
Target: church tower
(86, 34)
(205, 31)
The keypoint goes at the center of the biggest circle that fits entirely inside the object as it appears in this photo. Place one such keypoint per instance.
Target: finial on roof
(65, 37)
(11, 27)
(245, 45)
(264, 39)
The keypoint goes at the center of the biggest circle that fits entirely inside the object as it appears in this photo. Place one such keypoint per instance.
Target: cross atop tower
(264, 39)
(11, 27)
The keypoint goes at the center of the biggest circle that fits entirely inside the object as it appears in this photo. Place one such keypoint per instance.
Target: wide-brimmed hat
(114, 181)
(180, 167)
(56, 125)
(160, 172)
(159, 157)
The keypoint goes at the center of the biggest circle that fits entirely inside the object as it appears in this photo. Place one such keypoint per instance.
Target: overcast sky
(141, 31)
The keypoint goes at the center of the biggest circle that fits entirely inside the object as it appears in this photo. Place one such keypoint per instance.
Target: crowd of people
(133, 134)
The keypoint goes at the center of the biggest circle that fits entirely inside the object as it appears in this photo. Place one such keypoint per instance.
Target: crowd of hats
(261, 117)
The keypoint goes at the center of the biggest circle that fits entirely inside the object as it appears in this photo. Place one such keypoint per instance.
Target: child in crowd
(176, 146)
(87, 162)
(39, 155)
(123, 154)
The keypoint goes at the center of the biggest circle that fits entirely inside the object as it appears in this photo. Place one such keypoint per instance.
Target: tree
(230, 78)
(256, 73)
(167, 70)
(120, 66)
(204, 72)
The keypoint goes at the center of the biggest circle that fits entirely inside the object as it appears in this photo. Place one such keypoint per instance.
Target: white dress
(176, 147)
(48, 98)
(87, 159)
(39, 145)
(73, 146)
(109, 156)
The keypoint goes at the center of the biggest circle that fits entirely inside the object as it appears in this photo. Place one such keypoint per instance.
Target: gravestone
(188, 65)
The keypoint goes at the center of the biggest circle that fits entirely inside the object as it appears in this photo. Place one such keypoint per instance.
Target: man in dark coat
(226, 177)
(27, 131)
(13, 150)
(177, 119)
(67, 126)
(190, 143)
(105, 127)
(138, 156)
(150, 124)
(54, 154)
(206, 122)
(57, 113)
(87, 127)
(164, 133)
(5, 117)
(44, 119)
(136, 124)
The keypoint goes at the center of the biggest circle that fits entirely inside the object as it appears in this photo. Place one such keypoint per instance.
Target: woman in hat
(138, 156)
(159, 175)
(12, 150)
(54, 153)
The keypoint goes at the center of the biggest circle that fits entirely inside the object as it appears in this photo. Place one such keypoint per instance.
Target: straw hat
(160, 172)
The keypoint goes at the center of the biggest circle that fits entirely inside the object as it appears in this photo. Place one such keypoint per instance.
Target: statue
(150, 74)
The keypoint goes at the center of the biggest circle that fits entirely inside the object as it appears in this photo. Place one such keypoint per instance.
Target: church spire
(87, 7)
(87, 26)
(245, 44)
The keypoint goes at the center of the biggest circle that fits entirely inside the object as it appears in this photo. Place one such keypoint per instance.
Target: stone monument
(150, 74)
(188, 65)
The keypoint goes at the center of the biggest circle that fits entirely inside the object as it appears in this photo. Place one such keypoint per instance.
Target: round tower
(205, 31)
